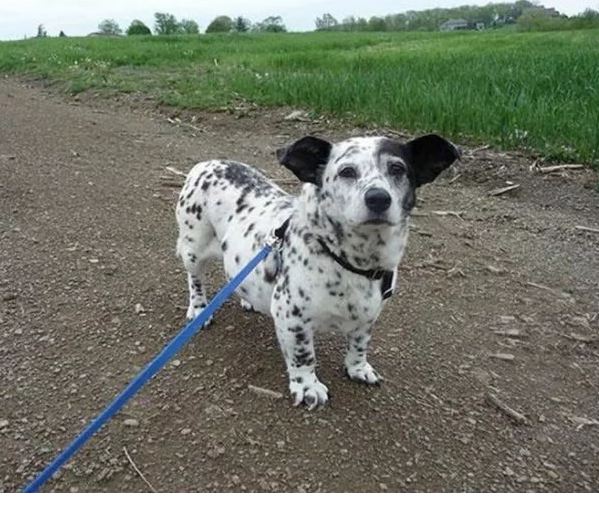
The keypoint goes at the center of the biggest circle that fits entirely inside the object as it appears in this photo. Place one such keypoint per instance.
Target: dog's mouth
(378, 221)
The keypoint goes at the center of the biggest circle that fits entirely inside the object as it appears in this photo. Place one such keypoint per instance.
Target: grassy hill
(533, 91)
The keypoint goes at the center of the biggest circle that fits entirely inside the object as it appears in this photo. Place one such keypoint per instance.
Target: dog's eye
(396, 168)
(348, 172)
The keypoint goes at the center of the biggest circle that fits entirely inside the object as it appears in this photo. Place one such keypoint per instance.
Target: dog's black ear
(305, 158)
(430, 155)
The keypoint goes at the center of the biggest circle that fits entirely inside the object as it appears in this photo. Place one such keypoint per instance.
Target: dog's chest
(331, 297)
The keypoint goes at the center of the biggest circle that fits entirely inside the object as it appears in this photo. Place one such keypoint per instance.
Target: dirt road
(500, 298)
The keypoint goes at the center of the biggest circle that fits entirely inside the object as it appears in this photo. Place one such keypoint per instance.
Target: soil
(498, 301)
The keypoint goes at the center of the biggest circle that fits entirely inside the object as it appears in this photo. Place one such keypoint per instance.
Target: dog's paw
(308, 390)
(363, 373)
(192, 313)
(247, 306)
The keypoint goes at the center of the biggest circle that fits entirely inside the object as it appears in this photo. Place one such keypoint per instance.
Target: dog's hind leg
(247, 306)
(195, 250)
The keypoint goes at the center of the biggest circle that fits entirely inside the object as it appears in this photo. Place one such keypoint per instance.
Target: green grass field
(532, 91)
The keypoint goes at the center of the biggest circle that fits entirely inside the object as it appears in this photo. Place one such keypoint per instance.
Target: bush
(138, 27)
(189, 26)
(220, 24)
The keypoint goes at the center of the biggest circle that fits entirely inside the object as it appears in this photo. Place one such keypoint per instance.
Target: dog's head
(368, 180)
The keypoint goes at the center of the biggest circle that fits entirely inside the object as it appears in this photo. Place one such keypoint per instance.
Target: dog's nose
(377, 200)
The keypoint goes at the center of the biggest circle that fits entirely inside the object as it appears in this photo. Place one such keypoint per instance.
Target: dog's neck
(366, 247)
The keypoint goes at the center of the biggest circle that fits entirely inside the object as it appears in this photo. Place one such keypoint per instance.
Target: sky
(20, 18)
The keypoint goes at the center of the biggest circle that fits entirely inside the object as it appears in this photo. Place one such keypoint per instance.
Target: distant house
(454, 24)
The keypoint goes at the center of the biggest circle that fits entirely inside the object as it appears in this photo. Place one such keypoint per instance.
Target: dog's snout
(377, 200)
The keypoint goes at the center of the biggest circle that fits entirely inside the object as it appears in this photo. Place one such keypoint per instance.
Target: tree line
(167, 24)
(525, 14)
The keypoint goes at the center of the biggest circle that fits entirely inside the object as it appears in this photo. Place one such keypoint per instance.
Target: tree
(166, 24)
(41, 31)
(189, 26)
(327, 22)
(241, 24)
(271, 24)
(138, 27)
(62, 34)
(376, 24)
(220, 24)
(109, 27)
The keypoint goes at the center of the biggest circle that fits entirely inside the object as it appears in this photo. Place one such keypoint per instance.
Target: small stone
(383, 486)
(176, 363)
(94, 261)
(508, 471)
(139, 308)
(19, 331)
(229, 328)
(185, 432)
(216, 452)
(131, 422)
(3, 423)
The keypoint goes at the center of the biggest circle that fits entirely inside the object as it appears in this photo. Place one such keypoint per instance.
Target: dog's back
(226, 210)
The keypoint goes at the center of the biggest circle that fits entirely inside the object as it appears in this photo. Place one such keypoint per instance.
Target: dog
(342, 239)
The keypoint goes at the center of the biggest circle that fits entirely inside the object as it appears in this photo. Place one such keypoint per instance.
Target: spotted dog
(342, 240)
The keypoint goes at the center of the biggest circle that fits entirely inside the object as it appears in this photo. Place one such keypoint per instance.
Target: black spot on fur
(249, 230)
(269, 277)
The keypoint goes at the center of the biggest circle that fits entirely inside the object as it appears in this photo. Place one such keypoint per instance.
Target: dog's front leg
(356, 365)
(297, 345)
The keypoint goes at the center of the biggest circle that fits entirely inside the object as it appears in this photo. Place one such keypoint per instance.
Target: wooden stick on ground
(551, 169)
(175, 171)
(445, 213)
(505, 409)
(503, 190)
(265, 391)
(141, 475)
(479, 149)
(454, 178)
(585, 228)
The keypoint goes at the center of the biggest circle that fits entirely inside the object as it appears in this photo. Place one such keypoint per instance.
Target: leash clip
(275, 239)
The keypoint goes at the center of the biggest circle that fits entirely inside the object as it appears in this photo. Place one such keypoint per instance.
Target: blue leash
(170, 350)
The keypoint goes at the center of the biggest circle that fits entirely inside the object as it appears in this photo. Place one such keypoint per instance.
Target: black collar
(369, 274)
(386, 275)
